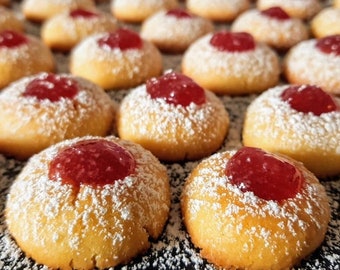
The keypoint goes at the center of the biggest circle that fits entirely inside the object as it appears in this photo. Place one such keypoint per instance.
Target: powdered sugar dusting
(305, 8)
(297, 129)
(73, 29)
(313, 66)
(258, 63)
(155, 117)
(56, 209)
(89, 99)
(27, 53)
(284, 33)
(163, 28)
(135, 66)
(209, 190)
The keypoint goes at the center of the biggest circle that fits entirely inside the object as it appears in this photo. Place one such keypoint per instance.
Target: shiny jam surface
(92, 162)
(82, 13)
(276, 13)
(12, 39)
(176, 88)
(122, 39)
(254, 170)
(329, 45)
(52, 87)
(179, 13)
(309, 99)
(232, 41)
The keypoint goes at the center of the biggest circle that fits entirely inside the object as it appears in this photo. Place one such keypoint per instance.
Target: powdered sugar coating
(296, 8)
(54, 212)
(168, 31)
(175, 128)
(274, 32)
(114, 68)
(237, 64)
(277, 234)
(29, 125)
(306, 64)
(63, 31)
(89, 98)
(23, 60)
(240, 72)
(273, 125)
(90, 50)
(299, 128)
(48, 9)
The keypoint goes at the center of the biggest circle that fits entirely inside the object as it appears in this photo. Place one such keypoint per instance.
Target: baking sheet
(173, 250)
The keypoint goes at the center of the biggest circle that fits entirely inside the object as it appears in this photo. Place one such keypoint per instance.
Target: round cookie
(174, 30)
(174, 118)
(43, 109)
(218, 10)
(326, 23)
(136, 11)
(300, 9)
(22, 55)
(40, 10)
(315, 61)
(65, 30)
(88, 203)
(251, 209)
(114, 60)
(231, 63)
(10, 20)
(302, 122)
(272, 26)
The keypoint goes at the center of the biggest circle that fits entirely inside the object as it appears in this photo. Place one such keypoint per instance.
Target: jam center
(177, 89)
(276, 13)
(232, 41)
(82, 13)
(52, 87)
(329, 44)
(92, 162)
(254, 170)
(122, 39)
(309, 99)
(11, 39)
(179, 13)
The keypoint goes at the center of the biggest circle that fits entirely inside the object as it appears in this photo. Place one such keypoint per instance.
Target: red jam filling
(52, 87)
(176, 88)
(179, 13)
(233, 41)
(92, 162)
(276, 13)
(329, 44)
(309, 99)
(11, 39)
(254, 170)
(82, 13)
(122, 39)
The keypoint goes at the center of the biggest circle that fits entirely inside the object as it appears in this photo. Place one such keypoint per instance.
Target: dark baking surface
(173, 250)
